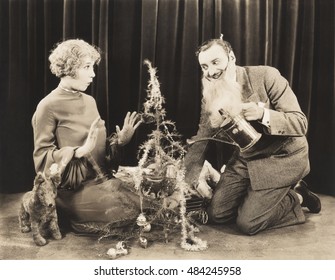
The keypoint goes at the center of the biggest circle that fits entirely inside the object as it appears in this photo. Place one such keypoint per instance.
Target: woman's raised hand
(129, 126)
(91, 140)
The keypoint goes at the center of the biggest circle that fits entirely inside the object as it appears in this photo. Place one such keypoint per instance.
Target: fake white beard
(221, 94)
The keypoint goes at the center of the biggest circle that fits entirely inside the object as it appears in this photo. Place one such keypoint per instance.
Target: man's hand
(129, 126)
(208, 174)
(91, 140)
(252, 112)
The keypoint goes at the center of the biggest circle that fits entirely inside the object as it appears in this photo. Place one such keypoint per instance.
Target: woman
(69, 131)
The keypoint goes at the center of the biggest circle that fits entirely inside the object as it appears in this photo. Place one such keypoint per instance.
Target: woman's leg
(113, 202)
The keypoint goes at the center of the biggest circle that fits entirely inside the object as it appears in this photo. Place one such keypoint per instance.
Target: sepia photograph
(167, 130)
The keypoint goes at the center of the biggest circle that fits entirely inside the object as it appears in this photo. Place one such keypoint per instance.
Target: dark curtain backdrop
(295, 36)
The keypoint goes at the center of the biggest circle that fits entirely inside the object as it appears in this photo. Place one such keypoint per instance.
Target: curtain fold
(295, 36)
(304, 62)
(188, 71)
(322, 114)
(267, 43)
(102, 93)
(69, 18)
(148, 35)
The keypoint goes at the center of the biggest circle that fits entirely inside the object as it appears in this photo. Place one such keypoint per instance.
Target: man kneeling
(261, 187)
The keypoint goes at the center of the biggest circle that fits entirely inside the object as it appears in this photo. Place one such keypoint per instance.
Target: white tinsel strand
(146, 147)
(155, 100)
(138, 176)
(187, 230)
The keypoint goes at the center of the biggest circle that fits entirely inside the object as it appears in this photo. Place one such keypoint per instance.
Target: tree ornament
(146, 228)
(143, 242)
(120, 250)
(141, 220)
(112, 253)
(121, 245)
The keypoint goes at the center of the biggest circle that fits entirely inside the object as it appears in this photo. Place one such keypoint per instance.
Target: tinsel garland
(189, 241)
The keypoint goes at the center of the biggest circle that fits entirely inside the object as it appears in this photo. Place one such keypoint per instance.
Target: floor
(314, 240)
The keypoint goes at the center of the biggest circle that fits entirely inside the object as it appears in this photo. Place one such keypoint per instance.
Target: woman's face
(84, 76)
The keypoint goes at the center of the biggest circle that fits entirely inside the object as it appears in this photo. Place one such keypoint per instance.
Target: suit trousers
(235, 200)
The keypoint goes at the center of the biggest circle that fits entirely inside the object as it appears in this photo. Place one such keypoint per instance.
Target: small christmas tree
(162, 154)
(160, 174)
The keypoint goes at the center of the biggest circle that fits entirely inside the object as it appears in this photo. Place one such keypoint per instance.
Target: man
(261, 186)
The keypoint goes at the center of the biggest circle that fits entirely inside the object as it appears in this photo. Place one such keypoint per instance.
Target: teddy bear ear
(38, 179)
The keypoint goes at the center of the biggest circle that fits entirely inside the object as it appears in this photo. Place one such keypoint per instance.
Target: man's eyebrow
(213, 60)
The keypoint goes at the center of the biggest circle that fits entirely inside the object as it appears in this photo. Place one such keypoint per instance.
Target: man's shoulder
(261, 69)
(262, 73)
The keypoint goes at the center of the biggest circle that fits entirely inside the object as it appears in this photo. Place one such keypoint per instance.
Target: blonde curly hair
(68, 56)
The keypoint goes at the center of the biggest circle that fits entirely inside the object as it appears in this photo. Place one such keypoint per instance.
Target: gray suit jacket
(280, 158)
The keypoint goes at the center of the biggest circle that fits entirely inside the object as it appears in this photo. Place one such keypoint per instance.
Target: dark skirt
(94, 206)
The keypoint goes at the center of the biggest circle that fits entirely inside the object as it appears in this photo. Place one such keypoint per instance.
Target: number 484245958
(220, 270)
